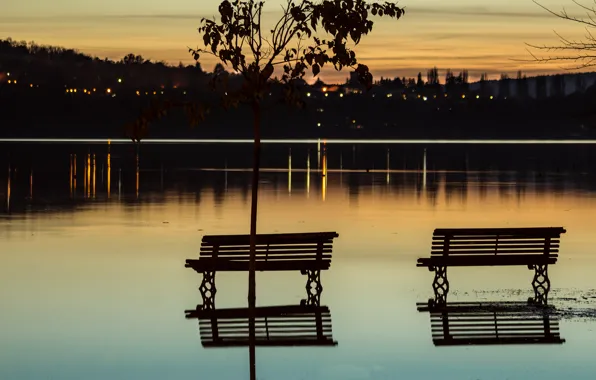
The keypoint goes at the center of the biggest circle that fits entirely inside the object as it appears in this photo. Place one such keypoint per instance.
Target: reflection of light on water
(290, 172)
(318, 154)
(74, 171)
(324, 175)
(109, 174)
(85, 177)
(94, 177)
(424, 171)
(8, 190)
(137, 184)
(308, 174)
(388, 168)
(70, 174)
(31, 184)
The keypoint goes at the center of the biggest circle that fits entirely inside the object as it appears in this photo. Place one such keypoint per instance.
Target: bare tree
(578, 53)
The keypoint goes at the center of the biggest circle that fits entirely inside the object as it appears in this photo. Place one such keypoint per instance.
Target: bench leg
(208, 290)
(540, 284)
(440, 285)
(313, 288)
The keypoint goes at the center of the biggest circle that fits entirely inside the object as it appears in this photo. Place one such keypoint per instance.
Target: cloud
(479, 11)
(479, 57)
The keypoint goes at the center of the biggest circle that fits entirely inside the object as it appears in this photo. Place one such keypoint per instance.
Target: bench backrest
(270, 247)
(274, 326)
(494, 326)
(494, 241)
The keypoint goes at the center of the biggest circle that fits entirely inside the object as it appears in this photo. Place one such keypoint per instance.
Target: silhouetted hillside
(55, 92)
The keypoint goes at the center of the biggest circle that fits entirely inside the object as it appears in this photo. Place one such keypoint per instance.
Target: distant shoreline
(304, 141)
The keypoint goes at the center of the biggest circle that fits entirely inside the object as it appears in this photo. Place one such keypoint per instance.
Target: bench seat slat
(264, 258)
(227, 265)
(262, 252)
(292, 238)
(270, 343)
(488, 260)
(501, 252)
(501, 231)
(454, 242)
(264, 247)
(489, 341)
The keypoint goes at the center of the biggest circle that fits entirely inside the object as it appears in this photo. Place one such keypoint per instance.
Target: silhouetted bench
(474, 323)
(308, 253)
(534, 247)
(274, 326)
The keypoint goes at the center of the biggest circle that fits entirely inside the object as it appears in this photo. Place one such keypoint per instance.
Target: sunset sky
(477, 35)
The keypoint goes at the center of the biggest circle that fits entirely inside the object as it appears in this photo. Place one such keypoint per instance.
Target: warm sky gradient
(477, 35)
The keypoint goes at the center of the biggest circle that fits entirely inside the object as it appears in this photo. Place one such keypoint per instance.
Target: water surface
(92, 276)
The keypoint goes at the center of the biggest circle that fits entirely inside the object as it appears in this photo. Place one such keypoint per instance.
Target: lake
(95, 235)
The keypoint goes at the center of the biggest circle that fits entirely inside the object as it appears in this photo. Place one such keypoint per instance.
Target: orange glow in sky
(485, 37)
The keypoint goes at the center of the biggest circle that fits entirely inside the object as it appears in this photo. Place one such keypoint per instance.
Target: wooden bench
(308, 253)
(274, 326)
(533, 247)
(474, 323)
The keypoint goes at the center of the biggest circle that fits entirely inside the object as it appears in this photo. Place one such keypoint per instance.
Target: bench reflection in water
(293, 325)
(476, 323)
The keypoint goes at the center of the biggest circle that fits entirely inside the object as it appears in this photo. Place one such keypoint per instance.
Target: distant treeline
(51, 91)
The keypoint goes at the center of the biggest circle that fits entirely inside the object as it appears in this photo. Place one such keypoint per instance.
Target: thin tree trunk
(253, 237)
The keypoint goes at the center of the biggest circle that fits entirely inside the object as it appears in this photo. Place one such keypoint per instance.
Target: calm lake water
(93, 284)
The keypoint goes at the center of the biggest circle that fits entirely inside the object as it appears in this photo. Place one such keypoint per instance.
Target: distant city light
(9, 81)
(119, 80)
(162, 92)
(184, 92)
(477, 96)
(154, 92)
(445, 94)
(8, 74)
(75, 90)
(324, 89)
(491, 97)
(15, 81)
(326, 94)
(389, 95)
(424, 98)
(109, 90)
(318, 124)
(308, 94)
(463, 96)
(93, 90)
(31, 85)
(353, 121)
(138, 93)
(341, 95)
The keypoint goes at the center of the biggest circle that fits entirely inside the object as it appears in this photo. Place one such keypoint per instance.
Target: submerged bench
(535, 248)
(274, 326)
(474, 323)
(308, 253)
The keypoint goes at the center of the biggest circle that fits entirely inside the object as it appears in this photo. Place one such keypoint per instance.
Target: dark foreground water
(94, 236)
